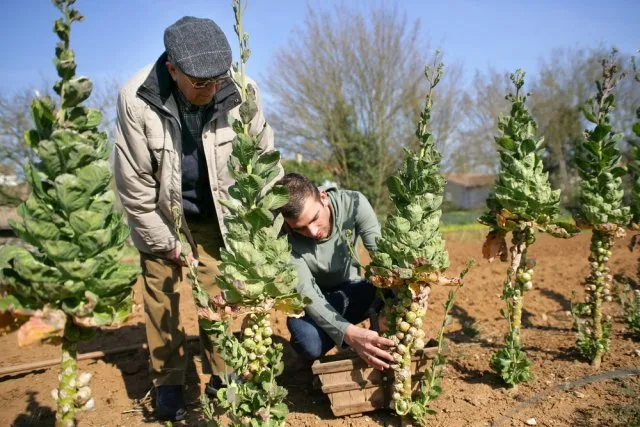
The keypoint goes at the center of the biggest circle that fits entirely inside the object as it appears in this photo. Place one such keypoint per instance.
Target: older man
(172, 146)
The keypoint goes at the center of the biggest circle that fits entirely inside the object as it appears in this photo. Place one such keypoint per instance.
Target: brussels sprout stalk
(522, 202)
(411, 258)
(70, 279)
(601, 209)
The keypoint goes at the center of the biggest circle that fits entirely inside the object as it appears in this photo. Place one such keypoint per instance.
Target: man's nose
(314, 230)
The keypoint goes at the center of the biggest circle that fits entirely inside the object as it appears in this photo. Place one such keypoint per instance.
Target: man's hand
(370, 346)
(174, 255)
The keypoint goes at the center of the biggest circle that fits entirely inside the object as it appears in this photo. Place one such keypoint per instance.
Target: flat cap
(198, 47)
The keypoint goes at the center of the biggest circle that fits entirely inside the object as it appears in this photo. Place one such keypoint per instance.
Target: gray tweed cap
(198, 47)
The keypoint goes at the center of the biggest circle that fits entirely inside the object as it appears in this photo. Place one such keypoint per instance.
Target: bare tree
(357, 71)
(484, 101)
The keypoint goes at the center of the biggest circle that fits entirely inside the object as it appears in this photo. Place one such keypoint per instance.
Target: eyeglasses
(201, 84)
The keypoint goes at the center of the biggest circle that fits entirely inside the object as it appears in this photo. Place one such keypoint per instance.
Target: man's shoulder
(129, 89)
(347, 199)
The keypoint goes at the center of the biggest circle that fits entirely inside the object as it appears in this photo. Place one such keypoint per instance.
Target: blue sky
(120, 36)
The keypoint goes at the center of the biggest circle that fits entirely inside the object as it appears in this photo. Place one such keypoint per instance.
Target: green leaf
(75, 91)
(61, 250)
(82, 221)
(43, 116)
(95, 177)
(71, 193)
(93, 242)
(397, 189)
(277, 197)
(83, 118)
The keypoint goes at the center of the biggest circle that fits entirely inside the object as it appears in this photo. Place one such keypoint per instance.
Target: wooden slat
(351, 385)
(357, 408)
(320, 367)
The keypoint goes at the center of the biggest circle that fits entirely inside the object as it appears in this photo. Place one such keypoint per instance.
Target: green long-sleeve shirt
(325, 264)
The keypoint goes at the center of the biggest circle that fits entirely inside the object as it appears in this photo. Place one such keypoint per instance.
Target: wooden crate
(353, 387)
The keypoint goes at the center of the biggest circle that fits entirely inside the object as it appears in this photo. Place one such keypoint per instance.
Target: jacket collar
(157, 90)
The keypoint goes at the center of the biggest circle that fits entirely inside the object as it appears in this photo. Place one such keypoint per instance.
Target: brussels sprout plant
(410, 257)
(601, 209)
(69, 278)
(256, 273)
(522, 202)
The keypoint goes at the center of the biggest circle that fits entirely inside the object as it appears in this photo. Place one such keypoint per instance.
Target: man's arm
(319, 310)
(367, 343)
(135, 182)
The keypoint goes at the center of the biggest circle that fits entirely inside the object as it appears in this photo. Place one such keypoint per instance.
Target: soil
(566, 390)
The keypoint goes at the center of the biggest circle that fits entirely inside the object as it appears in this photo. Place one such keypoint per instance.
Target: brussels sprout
(400, 335)
(418, 344)
(267, 331)
(414, 307)
(252, 356)
(248, 332)
(402, 349)
(527, 286)
(413, 330)
(267, 341)
(524, 277)
(410, 316)
(404, 326)
(261, 349)
(418, 322)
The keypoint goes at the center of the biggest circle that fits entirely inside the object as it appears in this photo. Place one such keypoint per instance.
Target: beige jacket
(148, 153)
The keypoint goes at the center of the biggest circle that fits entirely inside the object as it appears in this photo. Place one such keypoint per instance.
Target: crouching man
(323, 227)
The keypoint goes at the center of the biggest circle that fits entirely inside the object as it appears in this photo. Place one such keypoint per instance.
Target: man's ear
(324, 198)
(172, 70)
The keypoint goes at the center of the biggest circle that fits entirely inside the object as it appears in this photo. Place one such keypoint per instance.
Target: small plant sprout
(522, 202)
(256, 273)
(411, 257)
(601, 210)
(71, 278)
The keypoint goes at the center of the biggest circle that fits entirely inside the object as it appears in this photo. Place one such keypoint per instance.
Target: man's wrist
(349, 333)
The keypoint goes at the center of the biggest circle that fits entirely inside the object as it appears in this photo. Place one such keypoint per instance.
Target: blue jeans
(353, 300)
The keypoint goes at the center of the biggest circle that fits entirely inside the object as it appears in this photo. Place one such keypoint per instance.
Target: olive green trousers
(160, 292)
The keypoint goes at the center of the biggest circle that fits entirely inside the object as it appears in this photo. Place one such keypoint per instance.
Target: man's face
(197, 92)
(315, 219)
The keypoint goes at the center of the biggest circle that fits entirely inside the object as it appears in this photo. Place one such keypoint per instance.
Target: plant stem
(518, 263)
(67, 388)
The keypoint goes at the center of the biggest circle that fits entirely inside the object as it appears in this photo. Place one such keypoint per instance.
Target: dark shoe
(170, 403)
(215, 383)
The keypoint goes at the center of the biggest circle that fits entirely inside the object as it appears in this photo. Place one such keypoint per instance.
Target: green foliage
(78, 239)
(410, 237)
(598, 158)
(72, 275)
(522, 191)
(629, 300)
(510, 362)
